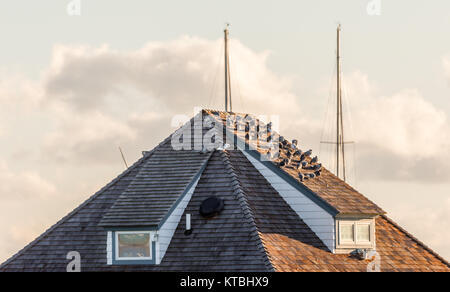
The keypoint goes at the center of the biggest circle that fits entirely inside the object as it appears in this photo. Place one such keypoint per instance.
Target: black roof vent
(211, 207)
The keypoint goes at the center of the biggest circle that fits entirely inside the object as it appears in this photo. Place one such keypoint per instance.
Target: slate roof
(158, 185)
(257, 230)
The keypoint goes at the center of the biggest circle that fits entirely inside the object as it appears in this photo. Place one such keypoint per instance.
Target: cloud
(173, 75)
(400, 136)
(23, 185)
(102, 98)
(86, 138)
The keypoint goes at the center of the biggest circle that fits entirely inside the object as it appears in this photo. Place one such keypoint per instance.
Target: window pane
(347, 232)
(363, 232)
(136, 245)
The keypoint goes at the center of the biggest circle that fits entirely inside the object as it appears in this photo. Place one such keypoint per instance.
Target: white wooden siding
(319, 220)
(167, 230)
(109, 248)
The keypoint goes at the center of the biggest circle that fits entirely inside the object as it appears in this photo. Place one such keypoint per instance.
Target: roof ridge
(240, 194)
(393, 223)
(335, 202)
(82, 205)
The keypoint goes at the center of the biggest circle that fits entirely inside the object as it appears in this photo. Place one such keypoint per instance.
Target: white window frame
(116, 247)
(340, 244)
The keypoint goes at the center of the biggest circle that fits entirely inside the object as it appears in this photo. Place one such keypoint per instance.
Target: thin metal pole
(342, 139)
(226, 68)
(123, 158)
(338, 84)
(229, 80)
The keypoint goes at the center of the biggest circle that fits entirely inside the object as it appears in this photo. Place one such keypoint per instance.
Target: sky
(73, 88)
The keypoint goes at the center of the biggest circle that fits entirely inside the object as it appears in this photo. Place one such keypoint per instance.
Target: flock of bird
(289, 155)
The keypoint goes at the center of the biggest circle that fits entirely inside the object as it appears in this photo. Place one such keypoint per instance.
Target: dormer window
(133, 246)
(130, 247)
(354, 233)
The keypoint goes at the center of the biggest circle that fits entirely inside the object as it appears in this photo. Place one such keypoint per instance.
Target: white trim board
(318, 219)
(167, 230)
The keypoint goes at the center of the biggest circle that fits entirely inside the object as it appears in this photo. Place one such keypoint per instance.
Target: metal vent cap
(211, 207)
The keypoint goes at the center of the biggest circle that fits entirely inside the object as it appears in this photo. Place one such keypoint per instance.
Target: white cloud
(399, 136)
(86, 137)
(22, 185)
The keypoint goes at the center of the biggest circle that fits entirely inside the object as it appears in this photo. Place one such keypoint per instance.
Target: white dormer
(354, 232)
(341, 234)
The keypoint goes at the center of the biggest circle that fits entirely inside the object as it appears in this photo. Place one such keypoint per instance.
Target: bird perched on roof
(284, 162)
(314, 160)
(308, 153)
(302, 157)
(317, 166)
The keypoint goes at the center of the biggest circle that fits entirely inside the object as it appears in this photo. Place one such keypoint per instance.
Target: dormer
(354, 232)
(141, 223)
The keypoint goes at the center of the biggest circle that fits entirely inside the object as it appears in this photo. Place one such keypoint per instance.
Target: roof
(257, 230)
(332, 190)
(398, 252)
(161, 181)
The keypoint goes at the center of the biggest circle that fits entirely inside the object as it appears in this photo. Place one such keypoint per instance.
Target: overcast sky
(75, 88)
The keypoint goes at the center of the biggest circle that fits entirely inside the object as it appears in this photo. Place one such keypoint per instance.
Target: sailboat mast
(340, 142)
(338, 103)
(227, 73)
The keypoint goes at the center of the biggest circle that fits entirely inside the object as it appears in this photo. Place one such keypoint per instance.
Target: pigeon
(314, 160)
(300, 176)
(317, 173)
(302, 157)
(284, 162)
(294, 142)
(308, 153)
